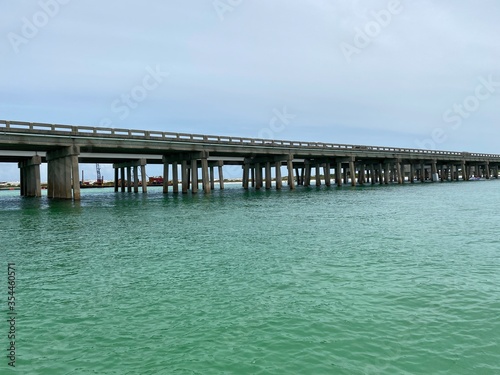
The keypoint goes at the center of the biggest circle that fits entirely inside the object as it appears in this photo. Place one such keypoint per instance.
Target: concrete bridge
(63, 147)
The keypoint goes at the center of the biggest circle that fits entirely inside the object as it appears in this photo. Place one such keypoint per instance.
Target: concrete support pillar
(302, 175)
(37, 186)
(291, 181)
(58, 173)
(464, 171)
(129, 179)
(362, 174)
(165, 176)
(298, 176)
(352, 169)
(386, 173)
(50, 177)
(487, 170)
(307, 167)
(318, 175)
(122, 179)
(246, 174)
(338, 174)
(184, 176)
(212, 177)
(194, 176)
(30, 177)
(116, 180)
(252, 175)
(422, 172)
(258, 176)
(144, 179)
(434, 171)
(268, 175)
(221, 174)
(412, 173)
(68, 168)
(328, 178)
(75, 177)
(63, 173)
(399, 174)
(279, 181)
(136, 179)
(205, 176)
(372, 174)
(175, 177)
(22, 182)
(495, 172)
(346, 177)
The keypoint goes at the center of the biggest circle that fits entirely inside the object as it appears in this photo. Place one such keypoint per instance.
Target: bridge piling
(122, 181)
(63, 178)
(194, 176)
(204, 176)
(291, 179)
(279, 181)
(246, 174)
(30, 177)
(268, 175)
(328, 177)
(184, 176)
(175, 177)
(129, 179)
(318, 174)
(221, 174)
(212, 177)
(116, 180)
(258, 176)
(399, 172)
(166, 165)
(136, 179)
(307, 173)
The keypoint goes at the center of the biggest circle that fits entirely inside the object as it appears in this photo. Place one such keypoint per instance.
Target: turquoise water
(366, 280)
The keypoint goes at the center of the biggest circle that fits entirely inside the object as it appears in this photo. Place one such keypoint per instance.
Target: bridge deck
(64, 146)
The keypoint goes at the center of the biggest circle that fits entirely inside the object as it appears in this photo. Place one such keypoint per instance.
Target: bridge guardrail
(59, 129)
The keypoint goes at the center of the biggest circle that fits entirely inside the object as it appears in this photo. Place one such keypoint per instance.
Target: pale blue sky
(231, 68)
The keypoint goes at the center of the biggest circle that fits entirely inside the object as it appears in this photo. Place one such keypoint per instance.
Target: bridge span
(63, 147)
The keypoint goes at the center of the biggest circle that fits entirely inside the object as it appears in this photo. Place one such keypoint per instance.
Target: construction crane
(99, 180)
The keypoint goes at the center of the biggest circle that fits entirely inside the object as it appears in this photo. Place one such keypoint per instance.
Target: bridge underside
(183, 172)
